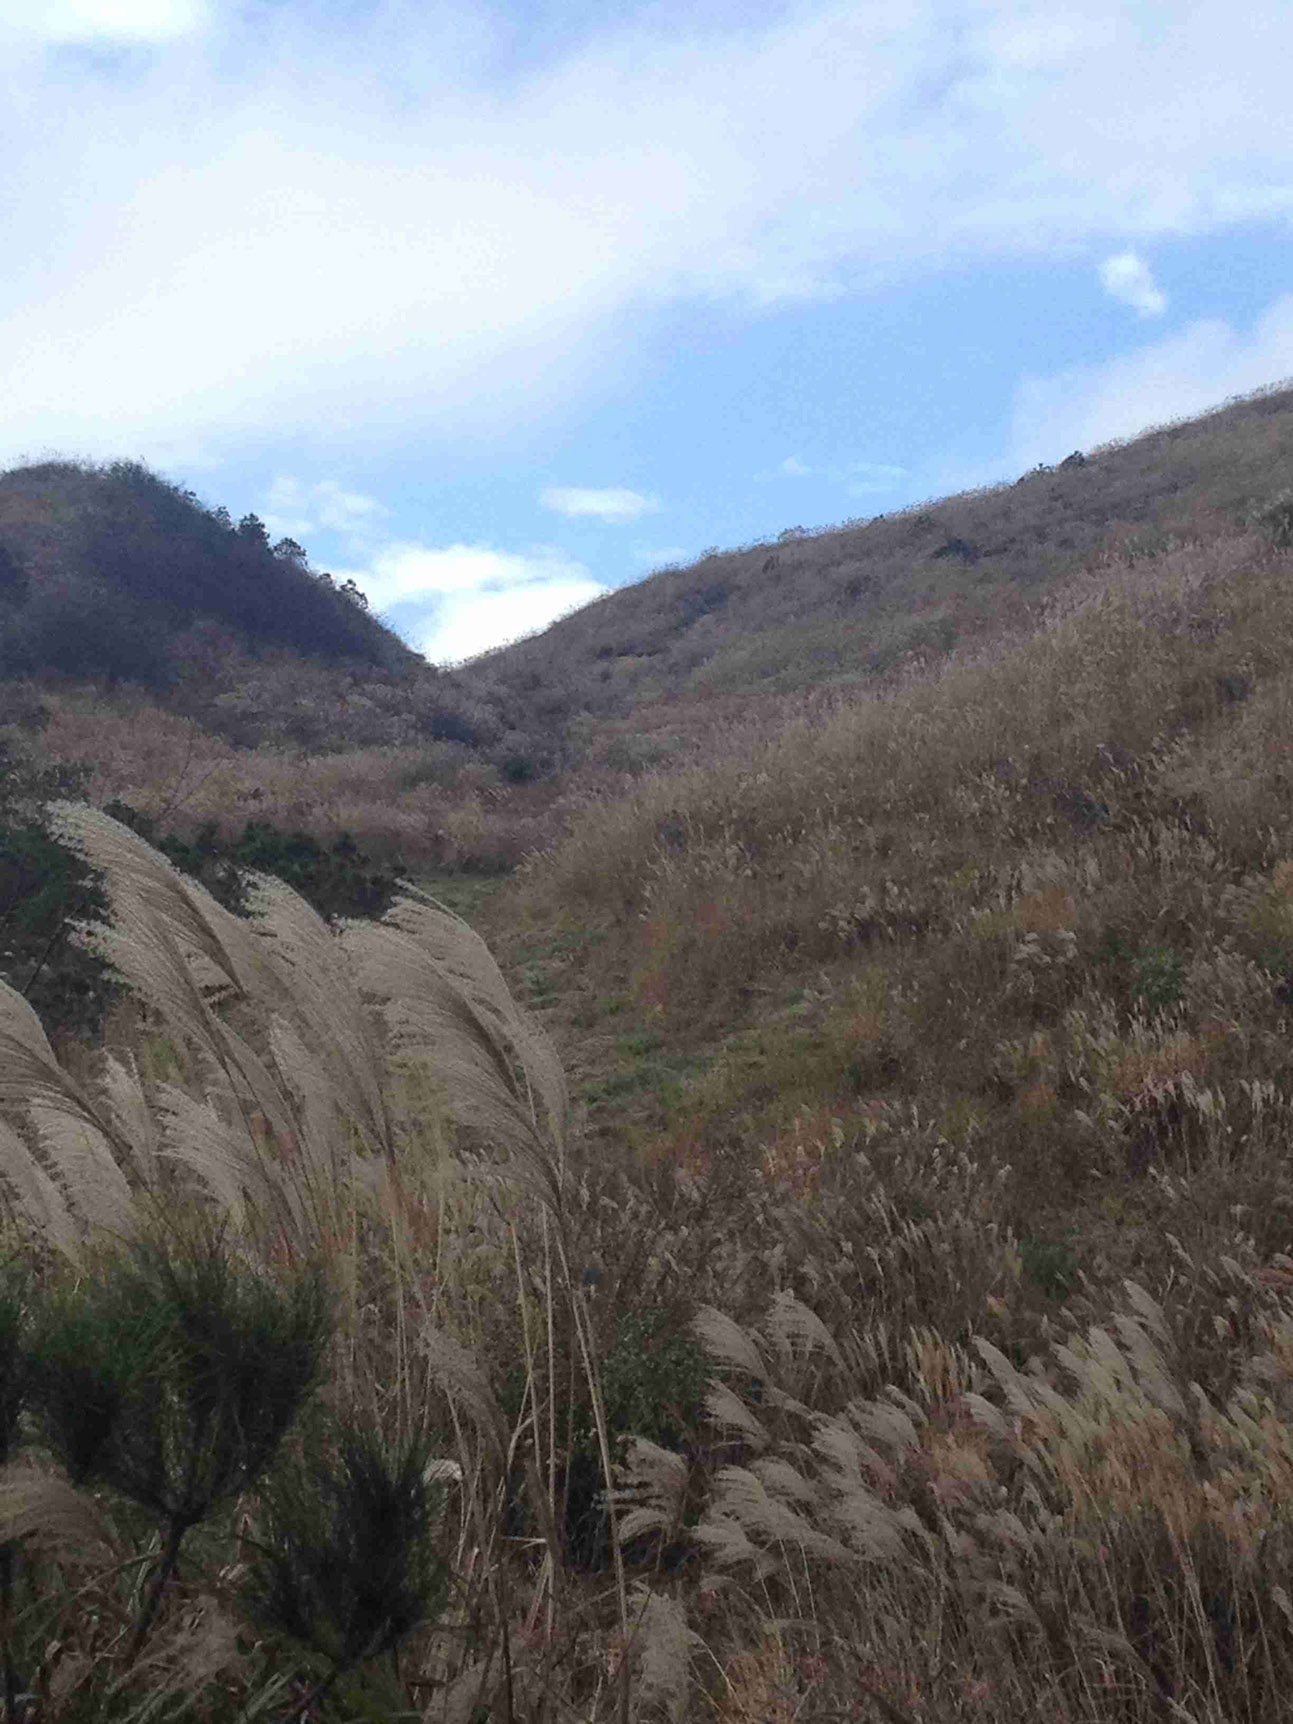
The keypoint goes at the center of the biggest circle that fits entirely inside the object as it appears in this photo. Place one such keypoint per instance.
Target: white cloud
(375, 231)
(287, 526)
(1183, 374)
(1127, 277)
(346, 511)
(287, 493)
(405, 570)
(609, 505)
(125, 21)
(454, 601)
(286, 511)
(794, 468)
(466, 624)
(450, 601)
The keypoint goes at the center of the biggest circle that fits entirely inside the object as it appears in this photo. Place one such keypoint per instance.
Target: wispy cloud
(450, 602)
(855, 478)
(1183, 374)
(858, 478)
(612, 505)
(870, 478)
(1127, 278)
(296, 509)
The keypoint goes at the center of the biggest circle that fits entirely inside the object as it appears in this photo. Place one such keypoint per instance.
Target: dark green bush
(13, 577)
(340, 881)
(345, 1559)
(445, 724)
(521, 769)
(169, 1371)
(1051, 1263)
(44, 889)
(15, 1321)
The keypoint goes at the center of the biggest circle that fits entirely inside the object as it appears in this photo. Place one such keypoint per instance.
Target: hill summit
(113, 571)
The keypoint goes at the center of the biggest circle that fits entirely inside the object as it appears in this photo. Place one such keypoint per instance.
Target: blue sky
(493, 307)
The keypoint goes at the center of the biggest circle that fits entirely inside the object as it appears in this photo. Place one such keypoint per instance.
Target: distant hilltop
(112, 571)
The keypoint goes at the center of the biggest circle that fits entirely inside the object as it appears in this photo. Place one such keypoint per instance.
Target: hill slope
(848, 604)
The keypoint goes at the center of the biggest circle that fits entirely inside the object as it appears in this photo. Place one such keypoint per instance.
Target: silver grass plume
(652, 1489)
(77, 1182)
(169, 938)
(727, 1343)
(819, 1500)
(66, 1523)
(296, 1109)
(797, 1332)
(445, 1003)
(663, 1647)
(773, 1503)
(175, 947)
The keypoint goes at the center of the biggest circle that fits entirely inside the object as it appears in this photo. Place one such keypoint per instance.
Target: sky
(494, 308)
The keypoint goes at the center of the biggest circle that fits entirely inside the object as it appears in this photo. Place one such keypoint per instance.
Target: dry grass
(976, 1191)
(426, 806)
(854, 602)
(995, 968)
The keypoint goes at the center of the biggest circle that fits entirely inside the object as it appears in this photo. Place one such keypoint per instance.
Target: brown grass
(950, 1017)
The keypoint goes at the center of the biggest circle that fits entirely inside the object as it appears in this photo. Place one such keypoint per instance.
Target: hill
(112, 571)
(845, 603)
(121, 594)
(901, 1310)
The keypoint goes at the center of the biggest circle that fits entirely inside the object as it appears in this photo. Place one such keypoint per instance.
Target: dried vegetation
(899, 1322)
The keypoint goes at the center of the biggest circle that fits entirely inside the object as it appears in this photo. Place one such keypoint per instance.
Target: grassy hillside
(848, 603)
(907, 1249)
(305, 722)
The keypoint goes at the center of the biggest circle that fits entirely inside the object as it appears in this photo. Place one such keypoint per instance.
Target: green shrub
(1158, 978)
(521, 769)
(84, 628)
(13, 577)
(653, 1380)
(341, 881)
(1051, 1263)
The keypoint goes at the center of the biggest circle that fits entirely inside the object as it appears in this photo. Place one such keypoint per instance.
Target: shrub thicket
(114, 552)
